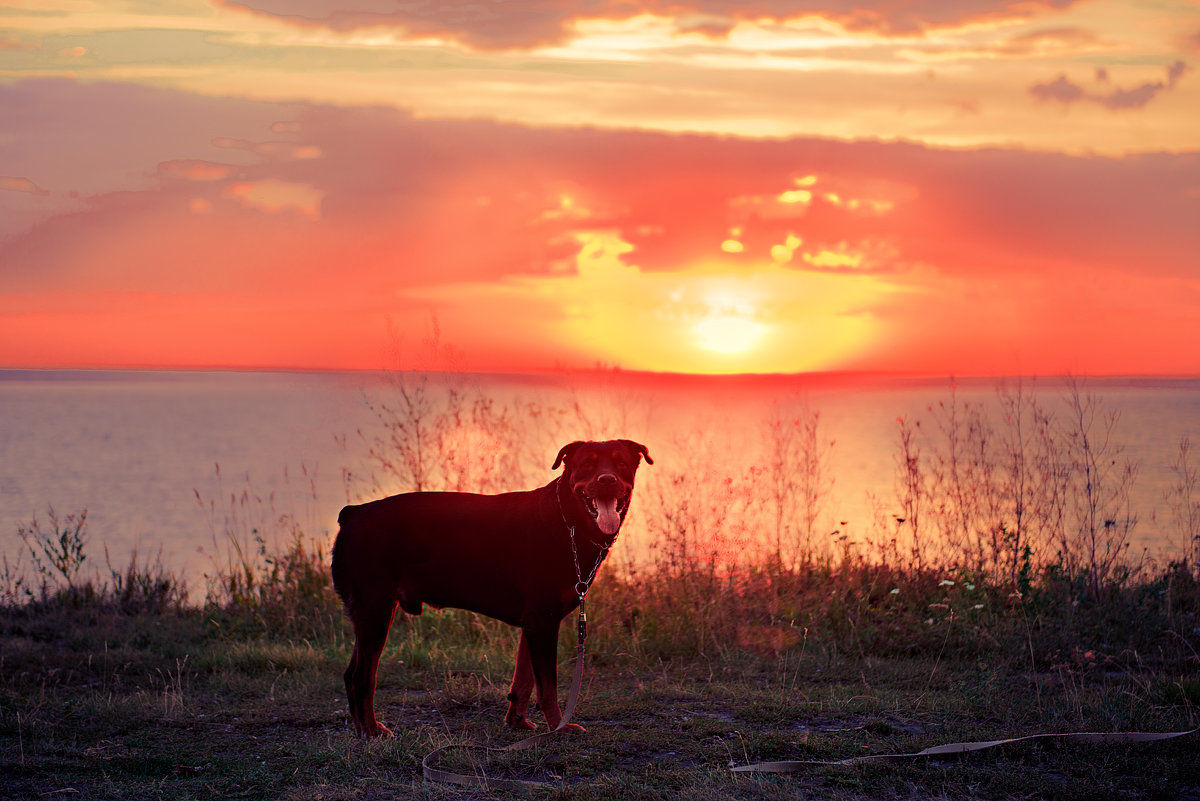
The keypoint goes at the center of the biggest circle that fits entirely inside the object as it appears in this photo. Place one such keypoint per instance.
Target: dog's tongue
(606, 516)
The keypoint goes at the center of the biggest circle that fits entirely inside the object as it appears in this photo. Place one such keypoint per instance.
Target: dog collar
(582, 585)
(602, 544)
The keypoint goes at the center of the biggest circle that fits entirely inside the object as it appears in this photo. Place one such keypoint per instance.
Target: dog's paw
(573, 728)
(520, 724)
(379, 731)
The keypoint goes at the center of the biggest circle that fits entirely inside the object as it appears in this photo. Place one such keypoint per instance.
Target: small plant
(144, 588)
(174, 689)
(1100, 517)
(286, 593)
(798, 482)
(1183, 498)
(59, 554)
(912, 490)
(12, 582)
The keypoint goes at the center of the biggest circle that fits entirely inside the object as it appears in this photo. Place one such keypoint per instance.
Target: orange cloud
(273, 195)
(542, 247)
(15, 184)
(194, 170)
(1041, 43)
(270, 149)
(14, 44)
(538, 23)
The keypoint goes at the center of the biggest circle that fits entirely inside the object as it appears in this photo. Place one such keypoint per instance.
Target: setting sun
(728, 334)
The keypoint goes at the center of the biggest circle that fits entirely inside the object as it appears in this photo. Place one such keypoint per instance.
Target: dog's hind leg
(371, 624)
(521, 689)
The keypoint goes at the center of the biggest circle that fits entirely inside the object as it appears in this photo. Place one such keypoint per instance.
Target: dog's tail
(346, 513)
(337, 566)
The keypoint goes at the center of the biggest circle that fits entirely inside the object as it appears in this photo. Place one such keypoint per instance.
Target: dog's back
(391, 548)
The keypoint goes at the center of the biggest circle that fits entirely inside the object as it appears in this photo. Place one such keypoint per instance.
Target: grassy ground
(1010, 609)
(120, 688)
(100, 703)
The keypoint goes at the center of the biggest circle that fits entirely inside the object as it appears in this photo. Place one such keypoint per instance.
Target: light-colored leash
(949, 749)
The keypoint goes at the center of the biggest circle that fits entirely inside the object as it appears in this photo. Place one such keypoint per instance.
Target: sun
(729, 324)
(728, 333)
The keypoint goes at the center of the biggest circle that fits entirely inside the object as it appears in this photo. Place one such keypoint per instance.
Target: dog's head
(600, 476)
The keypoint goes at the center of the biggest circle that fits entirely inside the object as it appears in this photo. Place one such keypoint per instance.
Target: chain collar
(581, 585)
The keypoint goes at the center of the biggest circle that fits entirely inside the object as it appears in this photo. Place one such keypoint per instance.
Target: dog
(524, 558)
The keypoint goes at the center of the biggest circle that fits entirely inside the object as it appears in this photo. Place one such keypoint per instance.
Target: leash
(949, 749)
(480, 779)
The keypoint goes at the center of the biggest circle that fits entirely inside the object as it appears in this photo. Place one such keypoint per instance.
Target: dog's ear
(565, 453)
(638, 447)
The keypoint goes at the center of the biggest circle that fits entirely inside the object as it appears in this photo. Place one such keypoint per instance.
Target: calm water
(155, 457)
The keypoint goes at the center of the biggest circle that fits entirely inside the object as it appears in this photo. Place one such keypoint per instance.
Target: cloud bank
(535, 23)
(296, 233)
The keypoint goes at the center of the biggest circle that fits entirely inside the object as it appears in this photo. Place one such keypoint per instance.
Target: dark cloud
(1060, 89)
(1063, 90)
(530, 23)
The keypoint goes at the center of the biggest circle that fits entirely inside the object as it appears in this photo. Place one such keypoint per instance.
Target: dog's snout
(606, 478)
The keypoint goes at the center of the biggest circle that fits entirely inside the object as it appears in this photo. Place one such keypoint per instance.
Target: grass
(98, 700)
(713, 650)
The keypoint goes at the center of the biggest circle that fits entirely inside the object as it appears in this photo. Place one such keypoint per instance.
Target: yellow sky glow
(705, 319)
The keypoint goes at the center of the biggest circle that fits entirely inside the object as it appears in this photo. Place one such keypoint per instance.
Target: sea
(172, 466)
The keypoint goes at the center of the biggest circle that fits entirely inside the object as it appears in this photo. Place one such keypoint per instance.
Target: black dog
(516, 557)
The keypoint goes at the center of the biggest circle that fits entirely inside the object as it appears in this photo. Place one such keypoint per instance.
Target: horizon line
(614, 370)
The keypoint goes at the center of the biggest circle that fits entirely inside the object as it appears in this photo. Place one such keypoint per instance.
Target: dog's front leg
(521, 689)
(543, 653)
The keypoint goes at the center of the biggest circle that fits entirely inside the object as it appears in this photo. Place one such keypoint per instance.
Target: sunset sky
(976, 187)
